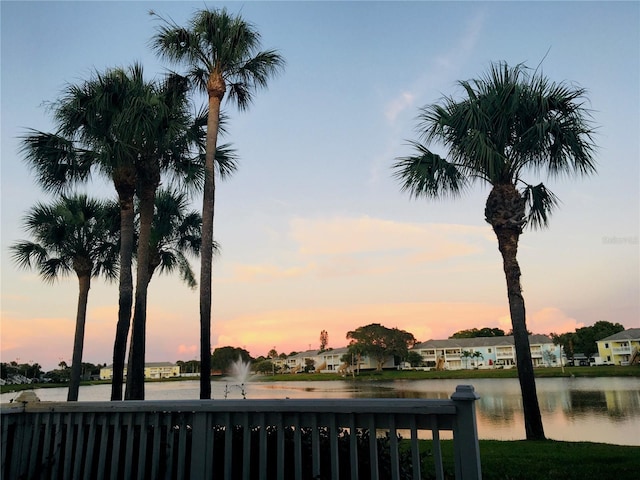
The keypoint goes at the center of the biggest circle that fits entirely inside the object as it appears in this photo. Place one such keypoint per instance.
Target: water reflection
(575, 409)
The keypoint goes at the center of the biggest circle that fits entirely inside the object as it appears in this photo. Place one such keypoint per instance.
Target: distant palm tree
(509, 123)
(221, 52)
(74, 234)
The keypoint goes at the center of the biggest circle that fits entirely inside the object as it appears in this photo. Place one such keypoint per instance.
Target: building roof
(150, 365)
(628, 334)
(506, 340)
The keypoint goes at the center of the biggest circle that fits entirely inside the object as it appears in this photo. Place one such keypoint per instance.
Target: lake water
(605, 410)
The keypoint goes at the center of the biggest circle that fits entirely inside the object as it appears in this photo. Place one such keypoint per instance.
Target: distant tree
(548, 357)
(483, 332)
(265, 367)
(466, 354)
(586, 337)
(477, 355)
(273, 353)
(324, 340)
(380, 343)
(566, 342)
(181, 364)
(414, 359)
(223, 357)
(59, 375)
(309, 365)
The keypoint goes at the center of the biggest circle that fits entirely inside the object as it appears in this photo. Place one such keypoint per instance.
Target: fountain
(240, 373)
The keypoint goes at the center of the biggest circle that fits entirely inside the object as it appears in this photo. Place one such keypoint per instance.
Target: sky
(315, 232)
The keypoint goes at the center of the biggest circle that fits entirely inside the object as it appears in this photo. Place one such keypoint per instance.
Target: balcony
(621, 350)
(505, 354)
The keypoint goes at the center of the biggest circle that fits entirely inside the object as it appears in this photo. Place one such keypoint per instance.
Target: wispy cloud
(339, 246)
(442, 68)
(399, 104)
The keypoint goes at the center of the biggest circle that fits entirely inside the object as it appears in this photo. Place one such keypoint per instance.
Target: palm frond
(56, 161)
(428, 175)
(540, 203)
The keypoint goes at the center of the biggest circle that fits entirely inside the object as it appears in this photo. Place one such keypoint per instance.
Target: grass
(388, 375)
(535, 460)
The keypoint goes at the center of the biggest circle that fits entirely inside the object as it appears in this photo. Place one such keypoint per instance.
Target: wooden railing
(239, 439)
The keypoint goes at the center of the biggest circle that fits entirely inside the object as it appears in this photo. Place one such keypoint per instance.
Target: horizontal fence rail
(239, 439)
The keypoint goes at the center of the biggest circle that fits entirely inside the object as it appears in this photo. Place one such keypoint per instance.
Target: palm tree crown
(222, 49)
(74, 234)
(510, 123)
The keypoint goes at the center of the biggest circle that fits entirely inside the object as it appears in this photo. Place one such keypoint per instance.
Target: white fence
(239, 439)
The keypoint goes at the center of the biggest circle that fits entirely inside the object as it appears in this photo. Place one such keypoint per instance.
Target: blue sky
(315, 232)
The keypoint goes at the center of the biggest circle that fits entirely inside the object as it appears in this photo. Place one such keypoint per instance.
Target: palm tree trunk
(206, 253)
(508, 246)
(125, 291)
(135, 369)
(84, 281)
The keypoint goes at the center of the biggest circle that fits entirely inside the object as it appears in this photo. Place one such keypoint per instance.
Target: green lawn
(608, 371)
(536, 460)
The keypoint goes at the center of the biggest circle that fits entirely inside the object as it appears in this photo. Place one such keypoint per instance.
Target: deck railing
(239, 439)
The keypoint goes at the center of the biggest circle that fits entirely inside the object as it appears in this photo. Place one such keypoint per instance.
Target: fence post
(465, 434)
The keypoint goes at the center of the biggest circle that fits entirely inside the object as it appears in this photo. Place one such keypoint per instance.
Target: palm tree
(174, 134)
(509, 123)
(90, 120)
(166, 136)
(222, 53)
(105, 124)
(73, 234)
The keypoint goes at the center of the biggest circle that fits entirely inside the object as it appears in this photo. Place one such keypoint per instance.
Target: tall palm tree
(222, 53)
(508, 124)
(172, 142)
(166, 137)
(105, 124)
(74, 234)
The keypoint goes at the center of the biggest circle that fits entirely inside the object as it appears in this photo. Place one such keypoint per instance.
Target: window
(606, 345)
(489, 350)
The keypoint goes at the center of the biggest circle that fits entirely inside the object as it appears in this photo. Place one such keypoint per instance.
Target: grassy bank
(386, 375)
(529, 460)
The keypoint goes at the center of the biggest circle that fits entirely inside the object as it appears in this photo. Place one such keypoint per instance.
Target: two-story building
(486, 352)
(152, 370)
(621, 348)
(330, 361)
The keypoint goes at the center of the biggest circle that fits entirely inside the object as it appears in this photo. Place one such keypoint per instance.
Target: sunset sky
(315, 232)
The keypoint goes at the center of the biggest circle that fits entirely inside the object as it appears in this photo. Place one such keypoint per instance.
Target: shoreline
(385, 375)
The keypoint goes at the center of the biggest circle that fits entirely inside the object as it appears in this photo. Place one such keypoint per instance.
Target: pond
(605, 410)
